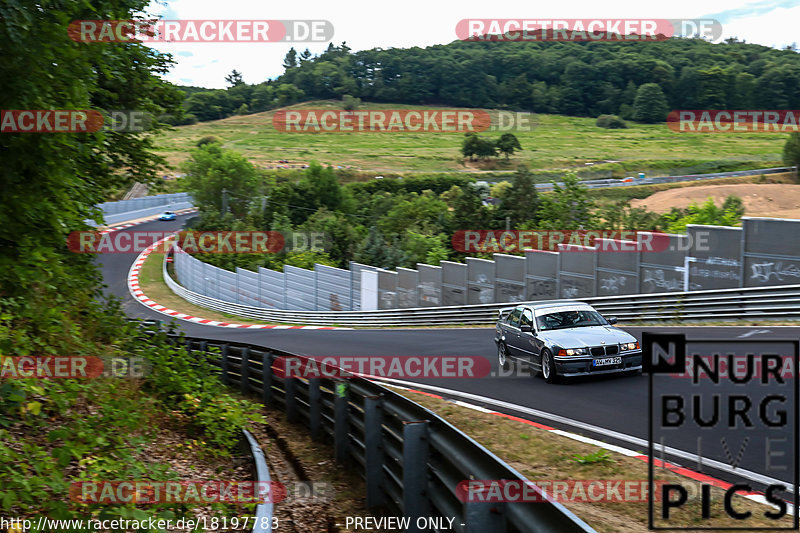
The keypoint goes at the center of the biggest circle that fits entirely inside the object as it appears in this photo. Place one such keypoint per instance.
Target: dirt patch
(760, 200)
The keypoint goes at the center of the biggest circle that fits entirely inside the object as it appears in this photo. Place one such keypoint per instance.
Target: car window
(513, 317)
(570, 319)
(527, 318)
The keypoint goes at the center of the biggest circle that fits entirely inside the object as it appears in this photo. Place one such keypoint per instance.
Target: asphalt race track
(595, 407)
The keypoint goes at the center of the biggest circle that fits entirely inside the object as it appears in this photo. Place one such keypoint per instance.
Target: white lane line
(601, 444)
(753, 332)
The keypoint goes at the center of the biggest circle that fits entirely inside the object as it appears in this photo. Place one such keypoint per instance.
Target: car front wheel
(548, 367)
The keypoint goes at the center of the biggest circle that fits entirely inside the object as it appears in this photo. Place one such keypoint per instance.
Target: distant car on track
(167, 215)
(564, 338)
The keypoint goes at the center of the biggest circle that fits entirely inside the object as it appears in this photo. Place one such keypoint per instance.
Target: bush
(208, 139)
(611, 122)
(349, 103)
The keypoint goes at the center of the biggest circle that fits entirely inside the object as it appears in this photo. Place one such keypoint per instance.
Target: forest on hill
(570, 78)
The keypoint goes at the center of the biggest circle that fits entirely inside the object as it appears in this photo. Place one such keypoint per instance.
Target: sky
(364, 25)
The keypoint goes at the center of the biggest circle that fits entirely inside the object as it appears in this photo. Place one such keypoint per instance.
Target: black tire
(502, 357)
(548, 367)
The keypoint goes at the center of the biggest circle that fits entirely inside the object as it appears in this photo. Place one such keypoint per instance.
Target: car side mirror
(525, 328)
(612, 320)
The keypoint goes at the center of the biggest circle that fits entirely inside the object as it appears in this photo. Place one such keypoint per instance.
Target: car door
(527, 340)
(512, 332)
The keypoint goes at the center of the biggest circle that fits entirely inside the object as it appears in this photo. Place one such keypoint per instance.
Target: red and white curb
(136, 292)
(682, 471)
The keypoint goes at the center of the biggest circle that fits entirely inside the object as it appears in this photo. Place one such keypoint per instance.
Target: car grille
(604, 350)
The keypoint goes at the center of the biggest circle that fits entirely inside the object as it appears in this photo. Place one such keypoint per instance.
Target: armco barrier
(263, 518)
(776, 302)
(411, 459)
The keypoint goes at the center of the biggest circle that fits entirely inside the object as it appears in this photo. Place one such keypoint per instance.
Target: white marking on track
(753, 332)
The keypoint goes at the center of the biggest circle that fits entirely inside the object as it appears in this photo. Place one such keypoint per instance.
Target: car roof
(552, 303)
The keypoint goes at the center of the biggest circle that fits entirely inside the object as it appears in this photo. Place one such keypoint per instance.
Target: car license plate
(607, 361)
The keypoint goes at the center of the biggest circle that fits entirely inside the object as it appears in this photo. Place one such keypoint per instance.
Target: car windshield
(570, 319)
(167, 212)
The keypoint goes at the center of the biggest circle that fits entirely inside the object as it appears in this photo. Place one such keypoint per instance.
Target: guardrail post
(204, 349)
(341, 440)
(224, 363)
(289, 385)
(244, 370)
(480, 517)
(373, 449)
(314, 408)
(415, 472)
(266, 378)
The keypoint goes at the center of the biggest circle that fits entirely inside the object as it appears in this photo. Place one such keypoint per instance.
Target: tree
(211, 169)
(288, 94)
(650, 104)
(290, 60)
(470, 144)
(422, 248)
(486, 148)
(375, 251)
(791, 150)
(234, 78)
(568, 207)
(263, 98)
(520, 201)
(51, 297)
(469, 211)
(507, 144)
(322, 185)
(209, 105)
(341, 234)
(349, 103)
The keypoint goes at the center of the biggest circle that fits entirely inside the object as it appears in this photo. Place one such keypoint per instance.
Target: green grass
(555, 143)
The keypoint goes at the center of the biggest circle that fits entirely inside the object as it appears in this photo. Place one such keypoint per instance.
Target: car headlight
(627, 346)
(577, 351)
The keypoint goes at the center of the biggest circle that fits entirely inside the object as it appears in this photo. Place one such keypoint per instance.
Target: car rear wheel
(548, 367)
(502, 356)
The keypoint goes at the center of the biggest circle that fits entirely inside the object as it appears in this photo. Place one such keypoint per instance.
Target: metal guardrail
(263, 510)
(411, 459)
(777, 302)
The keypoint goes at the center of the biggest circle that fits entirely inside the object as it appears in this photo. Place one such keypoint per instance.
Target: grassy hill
(556, 142)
